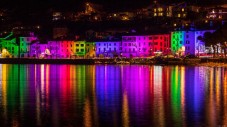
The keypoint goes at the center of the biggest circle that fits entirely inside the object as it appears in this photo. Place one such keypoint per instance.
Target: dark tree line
(217, 40)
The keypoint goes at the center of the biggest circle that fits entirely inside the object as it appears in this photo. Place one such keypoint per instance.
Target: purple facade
(108, 49)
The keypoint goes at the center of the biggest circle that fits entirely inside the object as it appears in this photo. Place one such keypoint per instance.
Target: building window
(82, 45)
(159, 9)
(82, 50)
(178, 15)
(155, 10)
(77, 45)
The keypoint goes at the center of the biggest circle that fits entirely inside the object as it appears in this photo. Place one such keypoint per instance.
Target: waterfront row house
(177, 42)
(108, 48)
(187, 42)
(144, 46)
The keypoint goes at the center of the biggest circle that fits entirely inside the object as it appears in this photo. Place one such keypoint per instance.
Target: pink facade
(144, 46)
(61, 49)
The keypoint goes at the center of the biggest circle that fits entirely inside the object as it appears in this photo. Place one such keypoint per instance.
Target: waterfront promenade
(151, 61)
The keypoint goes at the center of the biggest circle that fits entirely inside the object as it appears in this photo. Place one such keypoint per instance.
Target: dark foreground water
(112, 95)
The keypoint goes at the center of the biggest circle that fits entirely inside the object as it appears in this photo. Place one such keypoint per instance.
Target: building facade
(187, 42)
(145, 46)
(108, 48)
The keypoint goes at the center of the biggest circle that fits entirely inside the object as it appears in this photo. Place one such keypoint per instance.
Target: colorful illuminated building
(25, 45)
(8, 46)
(80, 48)
(90, 49)
(177, 42)
(37, 50)
(107, 48)
(60, 48)
(186, 42)
(144, 46)
(182, 43)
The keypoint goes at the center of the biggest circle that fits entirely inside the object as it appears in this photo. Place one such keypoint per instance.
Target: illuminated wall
(36, 50)
(144, 46)
(25, 45)
(61, 49)
(108, 48)
(8, 46)
(90, 49)
(186, 42)
(80, 48)
(177, 42)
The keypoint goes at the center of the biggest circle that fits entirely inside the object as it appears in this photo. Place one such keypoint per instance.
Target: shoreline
(134, 61)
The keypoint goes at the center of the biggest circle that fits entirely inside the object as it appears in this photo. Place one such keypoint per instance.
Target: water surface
(112, 95)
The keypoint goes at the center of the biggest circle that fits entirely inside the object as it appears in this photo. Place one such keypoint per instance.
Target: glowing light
(125, 110)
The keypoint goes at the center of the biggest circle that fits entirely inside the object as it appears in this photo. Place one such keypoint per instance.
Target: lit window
(178, 15)
(160, 14)
(183, 9)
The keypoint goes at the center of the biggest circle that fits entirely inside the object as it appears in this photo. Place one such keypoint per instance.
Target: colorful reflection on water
(112, 95)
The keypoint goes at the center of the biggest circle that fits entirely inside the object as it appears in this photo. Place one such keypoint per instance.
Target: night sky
(111, 4)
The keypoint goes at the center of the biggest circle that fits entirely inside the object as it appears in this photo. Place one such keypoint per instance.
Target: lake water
(112, 95)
